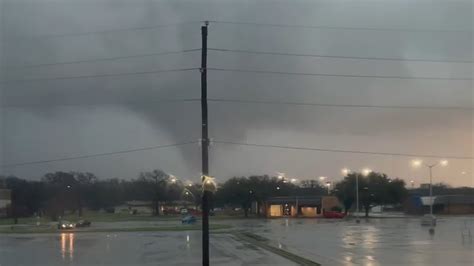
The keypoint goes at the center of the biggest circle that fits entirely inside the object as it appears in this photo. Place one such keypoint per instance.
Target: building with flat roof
(443, 204)
(300, 206)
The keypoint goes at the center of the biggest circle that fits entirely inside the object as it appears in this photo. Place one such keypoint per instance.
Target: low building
(300, 206)
(443, 204)
(5, 201)
(455, 204)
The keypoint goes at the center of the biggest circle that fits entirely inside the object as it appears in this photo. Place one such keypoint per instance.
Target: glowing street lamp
(173, 178)
(280, 176)
(345, 171)
(322, 178)
(416, 163)
(293, 180)
(366, 171)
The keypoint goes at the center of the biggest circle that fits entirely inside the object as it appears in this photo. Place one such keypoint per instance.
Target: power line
(102, 75)
(238, 101)
(340, 57)
(39, 105)
(331, 75)
(342, 105)
(98, 154)
(151, 27)
(275, 25)
(100, 59)
(344, 151)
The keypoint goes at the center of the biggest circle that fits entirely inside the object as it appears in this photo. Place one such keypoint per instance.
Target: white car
(428, 220)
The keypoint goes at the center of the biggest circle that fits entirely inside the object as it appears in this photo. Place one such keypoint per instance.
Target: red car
(333, 215)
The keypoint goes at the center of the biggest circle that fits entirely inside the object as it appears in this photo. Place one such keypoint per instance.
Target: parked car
(428, 220)
(189, 219)
(333, 214)
(62, 225)
(83, 223)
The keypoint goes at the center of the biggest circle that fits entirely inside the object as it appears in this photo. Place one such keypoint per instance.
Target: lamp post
(328, 185)
(417, 163)
(280, 176)
(365, 173)
(172, 179)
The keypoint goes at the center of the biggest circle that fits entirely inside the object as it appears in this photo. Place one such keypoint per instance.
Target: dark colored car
(190, 219)
(83, 223)
(333, 215)
(63, 225)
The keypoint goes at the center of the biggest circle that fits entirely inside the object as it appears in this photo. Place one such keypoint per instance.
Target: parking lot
(329, 242)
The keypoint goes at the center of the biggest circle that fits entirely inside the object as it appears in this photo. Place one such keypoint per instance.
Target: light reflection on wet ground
(372, 242)
(138, 248)
(330, 242)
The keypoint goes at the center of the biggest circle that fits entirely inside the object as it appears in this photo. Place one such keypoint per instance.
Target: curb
(262, 242)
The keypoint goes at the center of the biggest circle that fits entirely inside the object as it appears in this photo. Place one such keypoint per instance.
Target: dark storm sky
(53, 119)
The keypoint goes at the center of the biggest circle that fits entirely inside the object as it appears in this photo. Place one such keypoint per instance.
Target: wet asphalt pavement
(330, 242)
(147, 248)
(373, 242)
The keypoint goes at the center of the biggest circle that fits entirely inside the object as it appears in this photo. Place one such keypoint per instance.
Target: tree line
(58, 192)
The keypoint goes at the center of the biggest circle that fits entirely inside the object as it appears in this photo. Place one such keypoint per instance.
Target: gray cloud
(398, 130)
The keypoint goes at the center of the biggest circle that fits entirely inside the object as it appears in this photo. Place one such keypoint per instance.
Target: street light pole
(430, 167)
(417, 163)
(431, 188)
(357, 194)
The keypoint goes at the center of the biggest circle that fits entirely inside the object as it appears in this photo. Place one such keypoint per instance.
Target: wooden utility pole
(205, 148)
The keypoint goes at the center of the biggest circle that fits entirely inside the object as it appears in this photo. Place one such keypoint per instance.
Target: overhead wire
(15, 67)
(100, 75)
(243, 101)
(340, 56)
(256, 24)
(255, 71)
(140, 28)
(321, 27)
(342, 150)
(40, 105)
(97, 154)
(239, 101)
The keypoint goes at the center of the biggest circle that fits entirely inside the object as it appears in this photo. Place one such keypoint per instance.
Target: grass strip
(49, 229)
